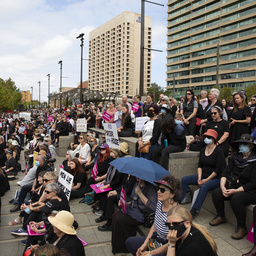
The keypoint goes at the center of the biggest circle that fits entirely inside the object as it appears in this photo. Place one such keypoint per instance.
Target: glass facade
(195, 28)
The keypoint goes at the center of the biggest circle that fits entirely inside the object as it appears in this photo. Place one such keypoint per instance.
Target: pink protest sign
(50, 118)
(97, 189)
(32, 233)
(107, 117)
(250, 236)
(68, 119)
(95, 170)
(61, 166)
(123, 200)
(135, 107)
(83, 242)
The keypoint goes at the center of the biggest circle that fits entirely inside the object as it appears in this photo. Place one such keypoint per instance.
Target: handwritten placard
(65, 182)
(139, 122)
(49, 118)
(106, 116)
(97, 189)
(81, 125)
(135, 107)
(123, 200)
(95, 170)
(111, 135)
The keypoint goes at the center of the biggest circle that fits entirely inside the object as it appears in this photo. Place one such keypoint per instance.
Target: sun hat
(105, 145)
(245, 138)
(15, 143)
(164, 183)
(64, 222)
(212, 133)
(124, 147)
(42, 152)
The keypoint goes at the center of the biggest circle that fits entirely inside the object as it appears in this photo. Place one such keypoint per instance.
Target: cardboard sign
(65, 182)
(96, 188)
(49, 118)
(111, 135)
(135, 107)
(15, 116)
(250, 236)
(139, 122)
(106, 116)
(95, 170)
(35, 154)
(81, 125)
(123, 200)
(25, 115)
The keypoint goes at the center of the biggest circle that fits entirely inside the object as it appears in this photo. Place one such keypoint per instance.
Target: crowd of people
(223, 132)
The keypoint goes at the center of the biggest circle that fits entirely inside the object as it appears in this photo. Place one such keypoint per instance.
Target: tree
(10, 96)
(225, 93)
(156, 90)
(250, 90)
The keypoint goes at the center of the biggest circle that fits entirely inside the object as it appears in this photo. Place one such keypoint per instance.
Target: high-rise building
(114, 55)
(195, 29)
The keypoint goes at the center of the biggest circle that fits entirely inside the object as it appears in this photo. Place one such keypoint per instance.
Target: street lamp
(81, 36)
(39, 92)
(32, 93)
(48, 89)
(60, 62)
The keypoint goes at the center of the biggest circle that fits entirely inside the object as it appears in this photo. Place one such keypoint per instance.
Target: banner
(95, 170)
(123, 200)
(135, 107)
(81, 125)
(65, 182)
(107, 117)
(111, 135)
(139, 122)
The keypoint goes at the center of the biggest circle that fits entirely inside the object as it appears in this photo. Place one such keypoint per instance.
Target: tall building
(26, 96)
(114, 53)
(195, 28)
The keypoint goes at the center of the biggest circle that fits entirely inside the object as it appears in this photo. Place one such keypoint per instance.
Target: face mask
(150, 114)
(244, 148)
(178, 122)
(207, 141)
(37, 163)
(163, 111)
(92, 144)
(180, 229)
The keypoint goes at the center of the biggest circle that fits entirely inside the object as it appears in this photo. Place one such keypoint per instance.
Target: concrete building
(26, 96)
(114, 53)
(195, 28)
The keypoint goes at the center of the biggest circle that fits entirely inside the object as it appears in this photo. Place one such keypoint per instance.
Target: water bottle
(165, 143)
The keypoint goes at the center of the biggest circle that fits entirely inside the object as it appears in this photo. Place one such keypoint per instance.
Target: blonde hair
(51, 176)
(186, 215)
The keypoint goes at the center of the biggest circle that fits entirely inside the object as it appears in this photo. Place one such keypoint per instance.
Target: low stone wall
(64, 143)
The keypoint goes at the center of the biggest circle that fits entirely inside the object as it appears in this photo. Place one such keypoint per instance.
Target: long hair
(192, 93)
(167, 126)
(103, 158)
(243, 101)
(182, 212)
(124, 116)
(78, 168)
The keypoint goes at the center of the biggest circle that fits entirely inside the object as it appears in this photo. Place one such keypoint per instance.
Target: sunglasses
(208, 137)
(162, 190)
(91, 141)
(101, 149)
(151, 110)
(45, 180)
(47, 191)
(188, 94)
(80, 138)
(253, 100)
(163, 100)
(214, 113)
(174, 224)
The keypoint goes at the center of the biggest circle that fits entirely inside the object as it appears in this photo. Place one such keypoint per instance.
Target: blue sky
(36, 34)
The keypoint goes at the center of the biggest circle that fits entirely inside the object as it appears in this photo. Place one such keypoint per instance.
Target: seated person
(94, 151)
(10, 167)
(125, 130)
(83, 149)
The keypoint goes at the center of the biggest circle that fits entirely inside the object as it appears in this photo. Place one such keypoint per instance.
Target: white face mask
(207, 141)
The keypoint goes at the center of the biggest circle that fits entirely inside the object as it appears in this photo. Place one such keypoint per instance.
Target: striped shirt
(160, 220)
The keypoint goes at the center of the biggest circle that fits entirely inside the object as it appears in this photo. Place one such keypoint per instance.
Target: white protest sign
(65, 182)
(15, 116)
(139, 122)
(111, 135)
(25, 115)
(81, 125)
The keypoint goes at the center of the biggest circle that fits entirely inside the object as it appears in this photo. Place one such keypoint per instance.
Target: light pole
(32, 93)
(39, 92)
(81, 36)
(60, 62)
(48, 88)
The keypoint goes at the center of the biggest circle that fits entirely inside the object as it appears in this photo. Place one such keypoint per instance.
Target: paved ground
(99, 243)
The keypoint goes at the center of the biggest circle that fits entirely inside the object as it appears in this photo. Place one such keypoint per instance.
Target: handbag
(145, 149)
(198, 121)
(232, 182)
(149, 218)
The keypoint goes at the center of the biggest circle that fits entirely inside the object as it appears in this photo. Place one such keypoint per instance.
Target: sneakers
(217, 221)
(239, 233)
(24, 242)
(99, 213)
(20, 232)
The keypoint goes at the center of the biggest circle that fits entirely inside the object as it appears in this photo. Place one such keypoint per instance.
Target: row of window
(236, 5)
(179, 58)
(238, 75)
(206, 34)
(238, 55)
(238, 65)
(179, 42)
(178, 66)
(206, 7)
(238, 45)
(238, 24)
(183, 9)
(239, 34)
(238, 14)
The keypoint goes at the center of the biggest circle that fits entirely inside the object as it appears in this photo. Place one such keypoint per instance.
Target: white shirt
(84, 151)
(147, 130)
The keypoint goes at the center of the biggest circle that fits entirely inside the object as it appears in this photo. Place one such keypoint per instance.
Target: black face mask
(150, 114)
(180, 229)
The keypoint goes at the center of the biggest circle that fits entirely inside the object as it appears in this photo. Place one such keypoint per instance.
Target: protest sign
(106, 116)
(49, 118)
(96, 188)
(33, 233)
(250, 236)
(1, 125)
(81, 125)
(123, 200)
(95, 170)
(135, 107)
(25, 115)
(65, 182)
(15, 116)
(139, 122)
(111, 135)
(35, 154)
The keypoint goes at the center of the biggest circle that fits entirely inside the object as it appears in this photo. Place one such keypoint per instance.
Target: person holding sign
(111, 110)
(168, 193)
(126, 124)
(150, 133)
(137, 106)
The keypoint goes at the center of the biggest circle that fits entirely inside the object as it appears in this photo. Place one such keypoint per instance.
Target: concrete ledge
(63, 144)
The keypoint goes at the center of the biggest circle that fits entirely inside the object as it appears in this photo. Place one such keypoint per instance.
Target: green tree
(10, 96)
(225, 93)
(250, 90)
(156, 90)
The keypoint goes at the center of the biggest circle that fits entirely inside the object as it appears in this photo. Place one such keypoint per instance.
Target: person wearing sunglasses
(210, 166)
(83, 149)
(221, 127)
(186, 238)
(168, 193)
(94, 151)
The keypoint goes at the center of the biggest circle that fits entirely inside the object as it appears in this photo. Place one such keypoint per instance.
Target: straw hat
(42, 152)
(64, 222)
(124, 147)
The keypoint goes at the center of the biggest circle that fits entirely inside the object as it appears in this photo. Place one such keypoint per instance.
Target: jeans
(23, 193)
(192, 180)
